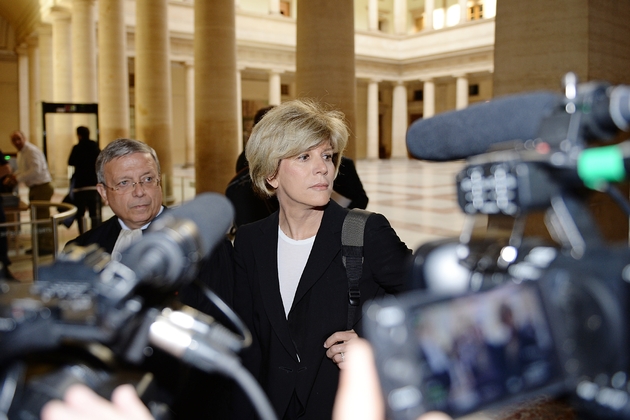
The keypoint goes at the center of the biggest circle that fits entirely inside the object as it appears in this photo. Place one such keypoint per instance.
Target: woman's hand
(81, 403)
(337, 346)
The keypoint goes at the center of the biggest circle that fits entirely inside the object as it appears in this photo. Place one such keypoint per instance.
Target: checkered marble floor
(417, 197)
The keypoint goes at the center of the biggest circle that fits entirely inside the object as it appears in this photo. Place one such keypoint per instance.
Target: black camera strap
(352, 256)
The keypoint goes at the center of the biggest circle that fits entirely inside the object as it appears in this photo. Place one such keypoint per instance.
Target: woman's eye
(303, 157)
(328, 156)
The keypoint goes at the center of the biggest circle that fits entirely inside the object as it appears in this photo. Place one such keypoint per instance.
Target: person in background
(32, 170)
(83, 184)
(291, 287)
(7, 184)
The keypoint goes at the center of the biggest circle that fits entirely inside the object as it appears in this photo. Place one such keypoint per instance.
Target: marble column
(274, 7)
(373, 15)
(400, 17)
(113, 73)
(325, 60)
(274, 88)
(429, 6)
(463, 10)
(428, 99)
(239, 108)
(35, 111)
(84, 76)
(461, 92)
(44, 33)
(399, 120)
(153, 85)
(59, 144)
(216, 118)
(23, 90)
(372, 120)
(190, 114)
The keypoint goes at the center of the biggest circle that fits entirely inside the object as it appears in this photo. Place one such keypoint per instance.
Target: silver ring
(343, 359)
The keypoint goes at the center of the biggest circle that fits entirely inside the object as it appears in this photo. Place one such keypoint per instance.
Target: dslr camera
(496, 317)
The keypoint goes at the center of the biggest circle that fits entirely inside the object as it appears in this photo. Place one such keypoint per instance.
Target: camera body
(555, 328)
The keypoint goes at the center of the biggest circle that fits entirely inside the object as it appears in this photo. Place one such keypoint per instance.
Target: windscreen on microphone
(175, 243)
(459, 134)
(212, 213)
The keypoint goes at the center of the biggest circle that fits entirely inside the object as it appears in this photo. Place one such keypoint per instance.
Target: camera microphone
(472, 131)
(459, 134)
(169, 253)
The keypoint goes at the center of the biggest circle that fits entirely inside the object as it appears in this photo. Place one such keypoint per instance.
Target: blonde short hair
(288, 130)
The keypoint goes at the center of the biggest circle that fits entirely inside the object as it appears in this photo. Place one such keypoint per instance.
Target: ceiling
(22, 15)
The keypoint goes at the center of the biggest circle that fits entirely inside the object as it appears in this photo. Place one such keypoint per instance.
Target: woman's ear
(273, 181)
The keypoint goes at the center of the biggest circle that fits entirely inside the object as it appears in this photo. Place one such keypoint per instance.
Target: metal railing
(53, 220)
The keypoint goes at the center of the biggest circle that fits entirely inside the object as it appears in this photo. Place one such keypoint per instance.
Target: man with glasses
(128, 173)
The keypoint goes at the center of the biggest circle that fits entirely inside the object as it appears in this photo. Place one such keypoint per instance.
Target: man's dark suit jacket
(289, 356)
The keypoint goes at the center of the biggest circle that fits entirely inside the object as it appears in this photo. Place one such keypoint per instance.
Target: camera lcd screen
(483, 348)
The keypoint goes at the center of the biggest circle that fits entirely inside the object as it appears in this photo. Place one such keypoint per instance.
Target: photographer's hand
(337, 346)
(81, 403)
(359, 394)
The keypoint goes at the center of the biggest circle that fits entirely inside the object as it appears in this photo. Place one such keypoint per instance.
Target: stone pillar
(399, 120)
(275, 93)
(429, 6)
(23, 90)
(35, 112)
(84, 60)
(400, 17)
(373, 15)
(274, 7)
(45, 79)
(60, 143)
(325, 68)
(239, 109)
(216, 119)
(461, 92)
(463, 10)
(113, 73)
(153, 85)
(428, 99)
(372, 120)
(190, 114)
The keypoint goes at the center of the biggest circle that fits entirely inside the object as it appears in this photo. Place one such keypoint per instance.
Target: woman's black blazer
(288, 356)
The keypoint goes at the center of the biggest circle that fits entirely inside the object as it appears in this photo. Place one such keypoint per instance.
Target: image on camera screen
(484, 348)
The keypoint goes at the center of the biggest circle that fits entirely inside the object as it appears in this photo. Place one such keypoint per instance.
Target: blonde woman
(291, 287)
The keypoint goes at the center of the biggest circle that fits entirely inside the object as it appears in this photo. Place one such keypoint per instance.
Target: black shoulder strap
(352, 255)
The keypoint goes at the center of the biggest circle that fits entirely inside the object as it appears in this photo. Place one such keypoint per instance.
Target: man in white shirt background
(33, 172)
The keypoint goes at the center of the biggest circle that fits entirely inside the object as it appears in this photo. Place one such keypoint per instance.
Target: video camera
(499, 317)
(94, 319)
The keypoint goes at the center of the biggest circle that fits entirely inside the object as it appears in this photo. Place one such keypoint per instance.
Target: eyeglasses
(126, 186)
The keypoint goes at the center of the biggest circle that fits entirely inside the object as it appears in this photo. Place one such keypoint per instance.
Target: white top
(32, 166)
(292, 258)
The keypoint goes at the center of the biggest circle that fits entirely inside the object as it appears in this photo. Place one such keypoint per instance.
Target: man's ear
(102, 192)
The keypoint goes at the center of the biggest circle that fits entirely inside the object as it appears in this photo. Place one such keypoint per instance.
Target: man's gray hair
(119, 148)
